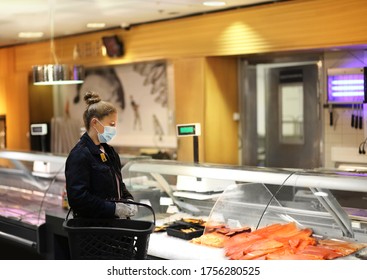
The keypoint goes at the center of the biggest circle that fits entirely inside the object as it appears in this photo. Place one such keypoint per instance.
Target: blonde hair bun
(91, 97)
(96, 108)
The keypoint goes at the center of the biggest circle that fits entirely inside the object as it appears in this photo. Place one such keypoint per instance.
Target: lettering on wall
(89, 49)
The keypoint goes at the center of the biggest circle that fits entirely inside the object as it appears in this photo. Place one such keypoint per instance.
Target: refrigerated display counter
(330, 202)
(32, 200)
(30, 185)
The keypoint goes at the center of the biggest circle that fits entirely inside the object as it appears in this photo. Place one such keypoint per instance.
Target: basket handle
(137, 203)
(67, 215)
(127, 202)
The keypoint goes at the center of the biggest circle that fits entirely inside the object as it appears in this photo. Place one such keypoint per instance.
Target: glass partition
(254, 196)
(29, 187)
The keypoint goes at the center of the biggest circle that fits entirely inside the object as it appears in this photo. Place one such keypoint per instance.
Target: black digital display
(39, 129)
(114, 46)
(36, 129)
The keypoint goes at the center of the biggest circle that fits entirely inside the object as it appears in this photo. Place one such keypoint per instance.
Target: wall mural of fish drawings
(156, 78)
(140, 92)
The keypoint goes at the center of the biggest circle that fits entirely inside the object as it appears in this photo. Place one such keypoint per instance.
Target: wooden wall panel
(17, 115)
(40, 103)
(2, 97)
(14, 101)
(5, 62)
(5, 59)
(189, 99)
(221, 102)
(284, 26)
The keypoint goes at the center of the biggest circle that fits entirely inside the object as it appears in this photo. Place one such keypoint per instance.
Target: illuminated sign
(192, 129)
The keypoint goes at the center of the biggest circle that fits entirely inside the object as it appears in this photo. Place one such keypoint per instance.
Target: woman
(93, 168)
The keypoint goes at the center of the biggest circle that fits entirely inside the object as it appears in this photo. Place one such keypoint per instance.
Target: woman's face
(109, 120)
(98, 126)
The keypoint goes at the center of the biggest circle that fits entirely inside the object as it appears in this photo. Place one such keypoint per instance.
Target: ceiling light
(56, 74)
(30, 34)
(96, 25)
(214, 3)
(125, 25)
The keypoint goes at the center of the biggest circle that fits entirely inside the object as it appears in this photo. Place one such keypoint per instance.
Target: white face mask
(108, 133)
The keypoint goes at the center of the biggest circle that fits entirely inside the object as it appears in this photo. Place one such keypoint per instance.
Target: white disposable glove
(124, 210)
(133, 208)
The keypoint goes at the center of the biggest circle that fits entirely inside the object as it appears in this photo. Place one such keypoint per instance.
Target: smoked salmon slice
(285, 242)
(276, 242)
(343, 247)
(322, 252)
(290, 256)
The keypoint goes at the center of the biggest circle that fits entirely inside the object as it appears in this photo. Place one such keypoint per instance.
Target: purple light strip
(347, 93)
(347, 87)
(347, 82)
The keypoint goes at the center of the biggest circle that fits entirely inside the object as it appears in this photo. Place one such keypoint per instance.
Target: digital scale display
(39, 129)
(187, 130)
(192, 129)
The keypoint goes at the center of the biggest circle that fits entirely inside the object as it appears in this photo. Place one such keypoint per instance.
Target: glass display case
(32, 186)
(332, 203)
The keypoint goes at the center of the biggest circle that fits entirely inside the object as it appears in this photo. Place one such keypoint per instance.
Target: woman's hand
(133, 207)
(124, 210)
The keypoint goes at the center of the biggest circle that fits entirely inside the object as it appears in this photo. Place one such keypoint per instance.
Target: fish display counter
(30, 185)
(33, 201)
(254, 212)
(207, 211)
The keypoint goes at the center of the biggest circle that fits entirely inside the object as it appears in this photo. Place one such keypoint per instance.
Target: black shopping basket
(109, 239)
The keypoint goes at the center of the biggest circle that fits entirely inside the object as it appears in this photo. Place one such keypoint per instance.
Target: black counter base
(14, 251)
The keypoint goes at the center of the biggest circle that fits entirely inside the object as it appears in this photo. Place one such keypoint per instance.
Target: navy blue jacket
(91, 179)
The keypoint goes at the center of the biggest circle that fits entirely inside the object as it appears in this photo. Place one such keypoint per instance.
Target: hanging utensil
(361, 116)
(356, 117)
(331, 121)
(352, 120)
